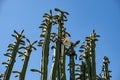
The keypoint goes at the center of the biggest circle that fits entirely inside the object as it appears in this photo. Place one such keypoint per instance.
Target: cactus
(46, 30)
(58, 67)
(54, 70)
(89, 56)
(28, 50)
(71, 53)
(105, 73)
(60, 19)
(62, 47)
(12, 52)
(81, 71)
(93, 37)
(87, 69)
(86, 61)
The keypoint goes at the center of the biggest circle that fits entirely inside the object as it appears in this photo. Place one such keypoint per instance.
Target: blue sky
(85, 15)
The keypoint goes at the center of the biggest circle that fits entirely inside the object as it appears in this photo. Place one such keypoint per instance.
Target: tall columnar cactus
(60, 41)
(81, 71)
(46, 30)
(93, 38)
(55, 56)
(105, 74)
(62, 46)
(89, 56)
(72, 54)
(28, 50)
(12, 52)
(54, 69)
(85, 57)
(60, 19)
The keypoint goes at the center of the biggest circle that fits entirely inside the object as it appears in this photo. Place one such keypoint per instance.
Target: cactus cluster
(15, 49)
(62, 47)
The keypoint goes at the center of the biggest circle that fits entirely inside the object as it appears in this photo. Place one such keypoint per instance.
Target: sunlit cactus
(88, 56)
(105, 73)
(44, 42)
(72, 55)
(81, 71)
(60, 18)
(86, 60)
(62, 47)
(26, 55)
(55, 58)
(12, 52)
(58, 67)
(58, 41)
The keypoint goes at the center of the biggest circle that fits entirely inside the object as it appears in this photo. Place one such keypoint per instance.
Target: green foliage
(62, 47)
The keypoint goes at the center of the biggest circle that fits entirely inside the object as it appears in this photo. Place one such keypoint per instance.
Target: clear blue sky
(85, 15)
